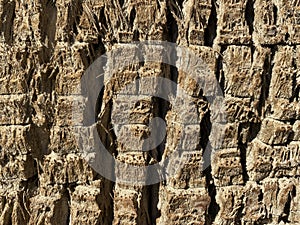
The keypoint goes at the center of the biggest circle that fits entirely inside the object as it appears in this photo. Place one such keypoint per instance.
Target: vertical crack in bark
(275, 14)
(172, 27)
(210, 31)
(219, 68)
(249, 15)
(213, 208)
(243, 150)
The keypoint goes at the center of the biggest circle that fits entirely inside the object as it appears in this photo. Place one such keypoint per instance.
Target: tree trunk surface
(242, 169)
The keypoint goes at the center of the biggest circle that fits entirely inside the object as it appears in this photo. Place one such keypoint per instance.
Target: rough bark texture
(253, 48)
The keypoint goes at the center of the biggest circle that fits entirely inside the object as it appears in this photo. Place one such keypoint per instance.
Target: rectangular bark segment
(186, 171)
(283, 110)
(207, 56)
(66, 15)
(266, 161)
(224, 136)
(136, 137)
(180, 206)
(15, 109)
(244, 71)
(229, 200)
(274, 132)
(286, 160)
(78, 170)
(74, 111)
(131, 166)
(296, 130)
(12, 206)
(241, 110)
(81, 212)
(49, 208)
(63, 140)
(132, 109)
(13, 79)
(130, 206)
(88, 28)
(276, 22)
(14, 139)
(17, 167)
(193, 17)
(146, 12)
(58, 169)
(259, 164)
(75, 60)
(264, 202)
(89, 204)
(227, 167)
(232, 25)
(283, 73)
(196, 71)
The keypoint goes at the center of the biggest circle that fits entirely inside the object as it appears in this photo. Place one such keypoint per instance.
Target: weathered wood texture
(251, 46)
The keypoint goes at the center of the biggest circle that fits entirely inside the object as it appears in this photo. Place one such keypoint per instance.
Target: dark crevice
(287, 36)
(297, 93)
(263, 221)
(68, 196)
(172, 27)
(108, 138)
(153, 198)
(180, 3)
(30, 186)
(96, 23)
(132, 18)
(162, 108)
(105, 201)
(29, 76)
(249, 15)
(121, 2)
(102, 117)
(275, 14)
(213, 208)
(143, 212)
(253, 49)
(102, 19)
(243, 152)
(105, 129)
(282, 43)
(254, 129)
(205, 130)
(260, 196)
(157, 2)
(210, 31)
(219, 70)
